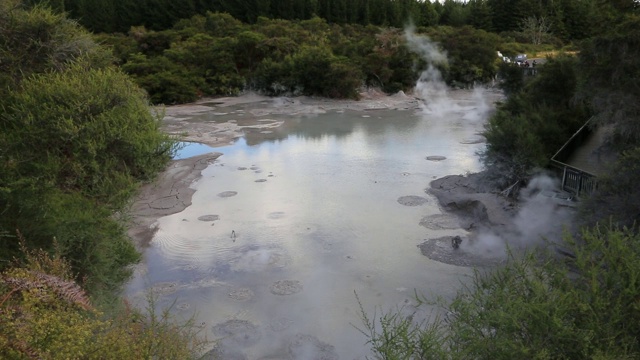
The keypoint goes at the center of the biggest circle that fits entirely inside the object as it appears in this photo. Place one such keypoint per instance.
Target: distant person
(526, 64)
(534, 63)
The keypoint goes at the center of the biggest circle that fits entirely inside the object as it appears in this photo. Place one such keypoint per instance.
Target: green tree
(318, 72)
(426, 14)
(506, 14)
(579, 20)
(611, 67)
(37, 40)
(480, 15)
(453, 13)
(532, 125)
(471, 54)
(76, 137)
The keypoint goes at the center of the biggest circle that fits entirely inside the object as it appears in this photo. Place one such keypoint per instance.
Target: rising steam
(542, 217)
(430, 88)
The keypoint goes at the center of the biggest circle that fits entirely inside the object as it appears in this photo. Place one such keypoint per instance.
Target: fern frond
(67, 290)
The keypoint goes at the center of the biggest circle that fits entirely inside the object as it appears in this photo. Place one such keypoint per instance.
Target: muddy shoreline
(169, 194)
(478, 210)
(178, 119)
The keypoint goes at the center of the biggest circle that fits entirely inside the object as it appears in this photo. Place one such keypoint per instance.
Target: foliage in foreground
(44, 314)
(618, 194)
(537, 307)
(76, 138)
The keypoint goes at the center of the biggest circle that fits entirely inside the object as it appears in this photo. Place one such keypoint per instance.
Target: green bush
(318, 72)
(84, 130)
(274, 77)
(533, 123)
(165, 81)
(44, 314)
(511, 78)
(536, 307)
(471, 54)
(38, 40)
(76, 144)
(617, 197)
(76, 139)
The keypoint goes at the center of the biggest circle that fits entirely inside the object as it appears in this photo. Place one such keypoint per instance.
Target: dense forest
(77, 138)
(570, 19)
(181, 52)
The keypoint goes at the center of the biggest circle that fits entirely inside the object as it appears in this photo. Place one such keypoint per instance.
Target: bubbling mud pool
(287, 226)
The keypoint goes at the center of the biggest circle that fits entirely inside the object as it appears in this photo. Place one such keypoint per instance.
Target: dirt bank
(197, 122)
(495, 223)
(473, 200)
(169, 194)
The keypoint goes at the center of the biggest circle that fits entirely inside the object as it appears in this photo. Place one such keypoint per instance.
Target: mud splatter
(286, 287)
(412, 200)
(440, 222)
(237, 333)
(276, 215)
(228, 193)
(305, 347)
(441, 250)
(241, 294)
(209, 218)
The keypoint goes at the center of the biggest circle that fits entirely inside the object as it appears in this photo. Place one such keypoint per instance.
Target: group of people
(526, 64)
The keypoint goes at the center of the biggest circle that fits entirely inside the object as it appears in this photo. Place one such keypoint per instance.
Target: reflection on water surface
(191, 149)
(324, 207)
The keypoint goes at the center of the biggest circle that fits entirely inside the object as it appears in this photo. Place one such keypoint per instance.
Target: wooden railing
(574, 180)
(577, 181)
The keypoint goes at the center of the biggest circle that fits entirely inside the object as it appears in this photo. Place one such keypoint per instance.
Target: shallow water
(284, 232)
(191, 149)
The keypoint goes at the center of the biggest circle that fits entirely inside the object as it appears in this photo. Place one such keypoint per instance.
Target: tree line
(216, 54)
(570, 19)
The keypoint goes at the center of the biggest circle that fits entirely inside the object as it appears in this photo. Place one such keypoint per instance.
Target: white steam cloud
(430, 88)
(542, 217)
(437, 98)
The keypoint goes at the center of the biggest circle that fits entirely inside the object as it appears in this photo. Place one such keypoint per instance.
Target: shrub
(84, 130)
(76, 138)
(617, 197)
(536, 307)
(44, 314)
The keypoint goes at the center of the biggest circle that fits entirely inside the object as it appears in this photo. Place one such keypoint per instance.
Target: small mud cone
(456, 241)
